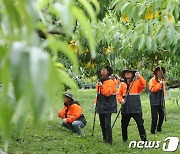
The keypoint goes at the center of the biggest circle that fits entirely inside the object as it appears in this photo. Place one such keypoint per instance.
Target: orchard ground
(50, 137)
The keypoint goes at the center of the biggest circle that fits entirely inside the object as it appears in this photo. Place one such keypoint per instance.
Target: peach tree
(140, 34)
(34, 37)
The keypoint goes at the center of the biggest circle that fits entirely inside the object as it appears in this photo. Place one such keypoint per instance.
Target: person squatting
(128, 95)
(72, 114)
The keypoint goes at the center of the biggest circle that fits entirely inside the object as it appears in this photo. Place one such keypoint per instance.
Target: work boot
(152, 132)
(143, 138)
(159, 129)
(124, 140)
(110, 142)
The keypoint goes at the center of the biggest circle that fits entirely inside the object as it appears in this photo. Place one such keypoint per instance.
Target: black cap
(158, 68)
(110, 70)
(69, 95)
(127, 70)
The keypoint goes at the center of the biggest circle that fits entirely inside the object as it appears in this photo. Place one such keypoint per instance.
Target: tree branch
(44, 36)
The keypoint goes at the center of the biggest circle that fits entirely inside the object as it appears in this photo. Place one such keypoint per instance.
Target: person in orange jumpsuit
(72, 114)
(157, 86)
(131, 106)
(106, 103)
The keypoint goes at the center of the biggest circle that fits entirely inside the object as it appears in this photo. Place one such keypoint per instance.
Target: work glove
(123, 102)
(162, 82)
(137, 74)
(119, 78)
(64, 120)
(99, 84)
(112, 77)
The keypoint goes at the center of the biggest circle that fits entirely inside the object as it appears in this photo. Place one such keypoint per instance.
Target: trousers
(76, 126)
(139, 121)
(157, 118)
(105, 123)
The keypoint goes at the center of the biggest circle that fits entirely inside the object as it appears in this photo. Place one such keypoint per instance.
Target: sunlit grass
(50, 137)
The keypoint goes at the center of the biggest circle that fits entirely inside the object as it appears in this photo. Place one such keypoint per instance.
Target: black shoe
(159, 130)
(109, 142)
(152, 132)
(144, 139)
(124, 140)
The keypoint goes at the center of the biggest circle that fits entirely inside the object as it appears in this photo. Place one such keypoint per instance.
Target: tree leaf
(148, 42)
(88, 8)
(146, 29)
(136, 16)
(118, 6)
(154, 46)
(19, 64)
(14, 17)
(64, 13)
(160, 34)
(28, 15)
(40, 73)
(86, 27)
(142, 9)
(67, 80)
(131, 10)
(141, 42)
(136, 43)
(176, 12)
(39, 67)
(44, 3)
(19, 114)
(5, 123)
(5, 75)
(57, 45)
(171, 33)
(97, 6)
(124, 7)
(53, 84)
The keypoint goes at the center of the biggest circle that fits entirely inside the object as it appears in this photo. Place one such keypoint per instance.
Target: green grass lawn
(50, 137)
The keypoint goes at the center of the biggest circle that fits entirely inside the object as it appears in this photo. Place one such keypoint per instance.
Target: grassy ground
(52, 138)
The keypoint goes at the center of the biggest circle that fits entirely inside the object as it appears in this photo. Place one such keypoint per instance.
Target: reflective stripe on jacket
(74, 112)
(133, 102)
(156, 92)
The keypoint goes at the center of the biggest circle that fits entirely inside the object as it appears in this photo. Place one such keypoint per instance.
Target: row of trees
(43, 41)
(139, 34)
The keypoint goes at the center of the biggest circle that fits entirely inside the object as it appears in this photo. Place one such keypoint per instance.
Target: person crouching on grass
(106, 102)
(72, 114)
(131, 107)
(157, 86)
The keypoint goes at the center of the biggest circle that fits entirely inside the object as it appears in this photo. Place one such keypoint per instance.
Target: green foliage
(157, 22)
(30, 72)
(138, 34)
(37, 53)
(174, 95)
